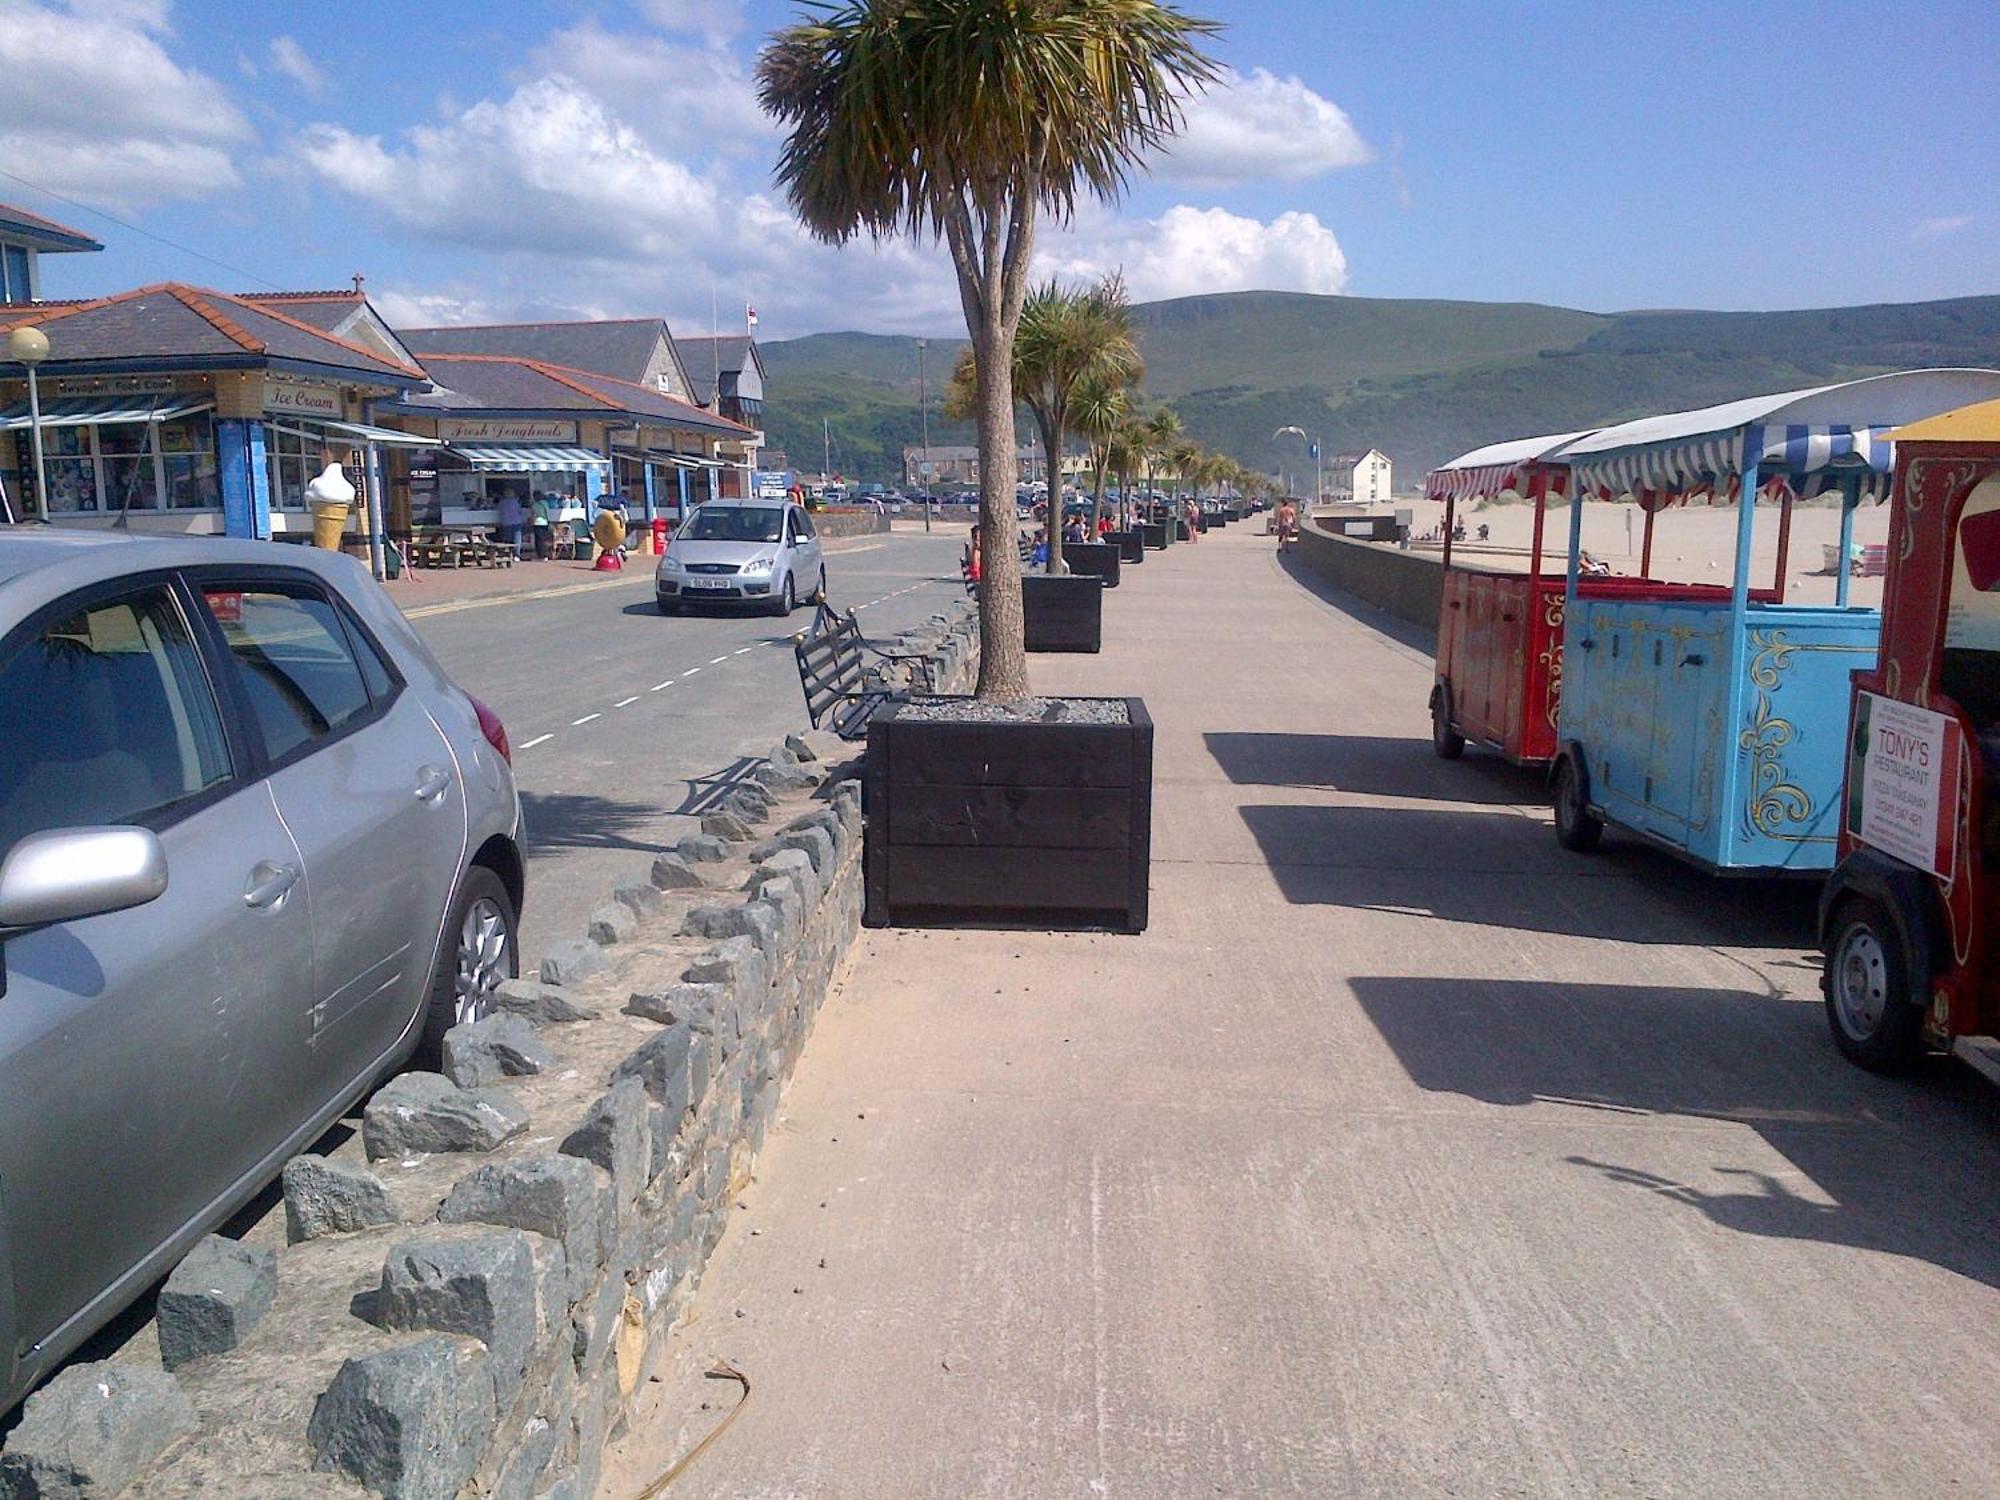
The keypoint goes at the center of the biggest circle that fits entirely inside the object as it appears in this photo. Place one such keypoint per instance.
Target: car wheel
(1447, 741)
(481, 951)
(1875, 1021)
(1578, 829)
(787, 599)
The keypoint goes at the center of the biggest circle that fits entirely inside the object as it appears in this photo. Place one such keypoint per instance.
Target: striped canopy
(103, 411)
(1813, 441)
(1500, 467)
(529, 458)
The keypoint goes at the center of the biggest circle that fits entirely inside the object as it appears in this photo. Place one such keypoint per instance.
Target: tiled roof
(622, 348)
(730, 353)
(46, 234)
(175, 321)
(326, 311)
(493, 382)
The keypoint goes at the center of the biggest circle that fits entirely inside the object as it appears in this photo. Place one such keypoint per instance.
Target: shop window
(294, 463)
(187, 464)
(71, 459)
(128, 480)
(120, 467)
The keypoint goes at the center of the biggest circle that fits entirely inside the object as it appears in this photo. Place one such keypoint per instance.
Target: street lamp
(924, 409)
(30, 346)
(1312, 444)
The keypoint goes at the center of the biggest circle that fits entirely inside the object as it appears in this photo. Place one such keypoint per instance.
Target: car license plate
(707, 583)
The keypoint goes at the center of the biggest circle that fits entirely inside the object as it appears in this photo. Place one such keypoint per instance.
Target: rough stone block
(213, 1299)
(332, 1197)
(483, 1286)
(596, 1322)
(737, 962)
(780, 776)
(427, 1112)
(695, 1005)
(572, 961)
(91, 1430)
(743, 919)
(525, 1464)
(556, 1196)
(815, 843)
(703, 849)
(728, 826)
(540, 1003)
(796, 866)
(612, 923)
(407, 1422)
(640, 897)
(613, 1136)
(789, 915)
(801, 749)
(675, 872)
(661, 1067)
(502, 1046)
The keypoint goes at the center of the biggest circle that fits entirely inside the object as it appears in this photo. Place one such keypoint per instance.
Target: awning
(103, 411)
(667, 458)
(1500, 467)
(320, 430)
(528, 458)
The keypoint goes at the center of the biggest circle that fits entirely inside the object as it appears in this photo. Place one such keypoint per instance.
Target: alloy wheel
(482, 960)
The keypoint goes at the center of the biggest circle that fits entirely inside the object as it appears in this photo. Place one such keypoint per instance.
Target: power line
(146, 233)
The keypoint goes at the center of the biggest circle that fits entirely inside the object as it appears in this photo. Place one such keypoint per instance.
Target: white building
(24, 239)
(1359, 478)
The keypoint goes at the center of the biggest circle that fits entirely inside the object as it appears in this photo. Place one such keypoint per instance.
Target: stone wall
(1409, 585)
(459, 1300)
(857, 522)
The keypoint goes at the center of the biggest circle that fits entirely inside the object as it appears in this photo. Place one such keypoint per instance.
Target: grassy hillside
(1421, 380)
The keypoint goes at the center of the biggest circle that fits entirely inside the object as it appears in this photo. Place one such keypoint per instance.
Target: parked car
(743, 552)
(256, 849)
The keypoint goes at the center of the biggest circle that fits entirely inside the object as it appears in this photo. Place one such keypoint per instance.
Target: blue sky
(604, 157)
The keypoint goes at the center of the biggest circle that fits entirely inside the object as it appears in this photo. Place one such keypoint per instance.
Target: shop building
(508, 426)
(635, 351)
(179, 409)
(24, 239)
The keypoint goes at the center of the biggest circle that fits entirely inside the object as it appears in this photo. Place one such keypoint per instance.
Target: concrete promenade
(1406, 1155)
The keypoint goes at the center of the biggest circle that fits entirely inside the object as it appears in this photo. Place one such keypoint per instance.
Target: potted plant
(907, 117)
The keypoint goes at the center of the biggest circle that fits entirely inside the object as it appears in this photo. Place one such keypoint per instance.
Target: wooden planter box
(1093, 560)
(1153, 534)
(1180, 531)
(1131, 546)
(1062, 612)
(1041, 822)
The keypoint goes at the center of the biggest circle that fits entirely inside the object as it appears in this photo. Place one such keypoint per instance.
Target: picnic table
(458, 547)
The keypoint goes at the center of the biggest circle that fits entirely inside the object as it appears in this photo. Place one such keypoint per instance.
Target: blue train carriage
(1712, 721)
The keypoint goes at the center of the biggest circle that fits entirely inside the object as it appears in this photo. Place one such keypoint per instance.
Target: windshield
(734, 523)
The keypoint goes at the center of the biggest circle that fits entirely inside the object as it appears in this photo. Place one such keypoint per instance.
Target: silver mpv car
(255, 850)
(763, 552)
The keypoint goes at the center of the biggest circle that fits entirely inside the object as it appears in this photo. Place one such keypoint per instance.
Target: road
(617, 714)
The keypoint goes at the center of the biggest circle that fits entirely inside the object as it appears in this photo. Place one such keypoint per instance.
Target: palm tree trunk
(1052, 440)
(1003, 661)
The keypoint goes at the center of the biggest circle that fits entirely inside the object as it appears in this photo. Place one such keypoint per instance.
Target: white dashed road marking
(576, 723)
(718, 661)
(661, 687)
(540, 739)
(626, 702)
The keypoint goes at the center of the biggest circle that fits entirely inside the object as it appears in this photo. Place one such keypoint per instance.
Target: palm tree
(966, 120)
(1161, 433)
(1068, 341)
(1100, 412)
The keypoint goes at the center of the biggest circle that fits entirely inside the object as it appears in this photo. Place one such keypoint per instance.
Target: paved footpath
(1406, 1155)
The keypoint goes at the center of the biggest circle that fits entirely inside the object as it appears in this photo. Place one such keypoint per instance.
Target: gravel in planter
(1022, 711)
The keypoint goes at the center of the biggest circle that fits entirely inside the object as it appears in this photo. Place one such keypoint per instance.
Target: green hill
(1421, 380)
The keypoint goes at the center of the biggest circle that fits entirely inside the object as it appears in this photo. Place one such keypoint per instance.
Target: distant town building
(1359, 478)
(24, 239)
(941, 465)
(728, 376)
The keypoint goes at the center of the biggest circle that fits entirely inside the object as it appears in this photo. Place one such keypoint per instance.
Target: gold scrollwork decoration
(1773, 801)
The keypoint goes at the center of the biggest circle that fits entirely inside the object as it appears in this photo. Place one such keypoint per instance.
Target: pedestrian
(1039, 557)
(973, 563)
(510, 519)
(1288, 524)
(543, 526)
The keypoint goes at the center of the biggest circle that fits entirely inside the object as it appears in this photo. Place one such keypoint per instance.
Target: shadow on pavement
(571, 820)
(1905, 1162)
(1495, 867)
(1416, 637)
(1372, 765)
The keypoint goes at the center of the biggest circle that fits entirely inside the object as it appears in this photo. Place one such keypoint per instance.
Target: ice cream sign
(1903, 776)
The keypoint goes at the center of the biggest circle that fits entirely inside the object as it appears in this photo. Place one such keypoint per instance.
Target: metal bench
(833, 674)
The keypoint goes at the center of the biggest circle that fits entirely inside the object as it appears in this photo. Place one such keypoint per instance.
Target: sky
(496, 160)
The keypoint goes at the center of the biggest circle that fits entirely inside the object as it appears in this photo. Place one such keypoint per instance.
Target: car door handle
(270, 883)
(432, 783)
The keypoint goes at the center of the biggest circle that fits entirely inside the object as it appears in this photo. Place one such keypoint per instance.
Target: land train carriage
(1712, 722)
(1910, 918)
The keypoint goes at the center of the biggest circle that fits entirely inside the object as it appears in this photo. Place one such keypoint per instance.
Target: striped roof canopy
(1812, 440)
(1500, 467)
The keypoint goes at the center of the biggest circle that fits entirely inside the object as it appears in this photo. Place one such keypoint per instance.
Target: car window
(292, 660)
(106, 716)
(804, 523)
(734, 523)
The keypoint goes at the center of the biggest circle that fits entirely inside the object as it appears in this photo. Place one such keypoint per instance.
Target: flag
(750, 316)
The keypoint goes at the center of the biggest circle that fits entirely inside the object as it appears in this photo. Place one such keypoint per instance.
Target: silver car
(255, 851)
(761, 552)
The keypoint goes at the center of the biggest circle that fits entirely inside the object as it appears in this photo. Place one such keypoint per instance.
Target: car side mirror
(69, 873)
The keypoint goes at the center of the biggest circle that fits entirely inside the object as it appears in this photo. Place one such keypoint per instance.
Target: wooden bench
(833, 674)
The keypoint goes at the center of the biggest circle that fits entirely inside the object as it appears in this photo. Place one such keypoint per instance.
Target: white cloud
(1256, 126)
(717, 20)
(97, 108)
(289, 58)
(547, 169)
(1937, 229)
(695, 99)
(1188, 251)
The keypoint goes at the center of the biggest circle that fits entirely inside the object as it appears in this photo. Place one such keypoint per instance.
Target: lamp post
(30, 346)
(1311, 443)
(924, 411)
